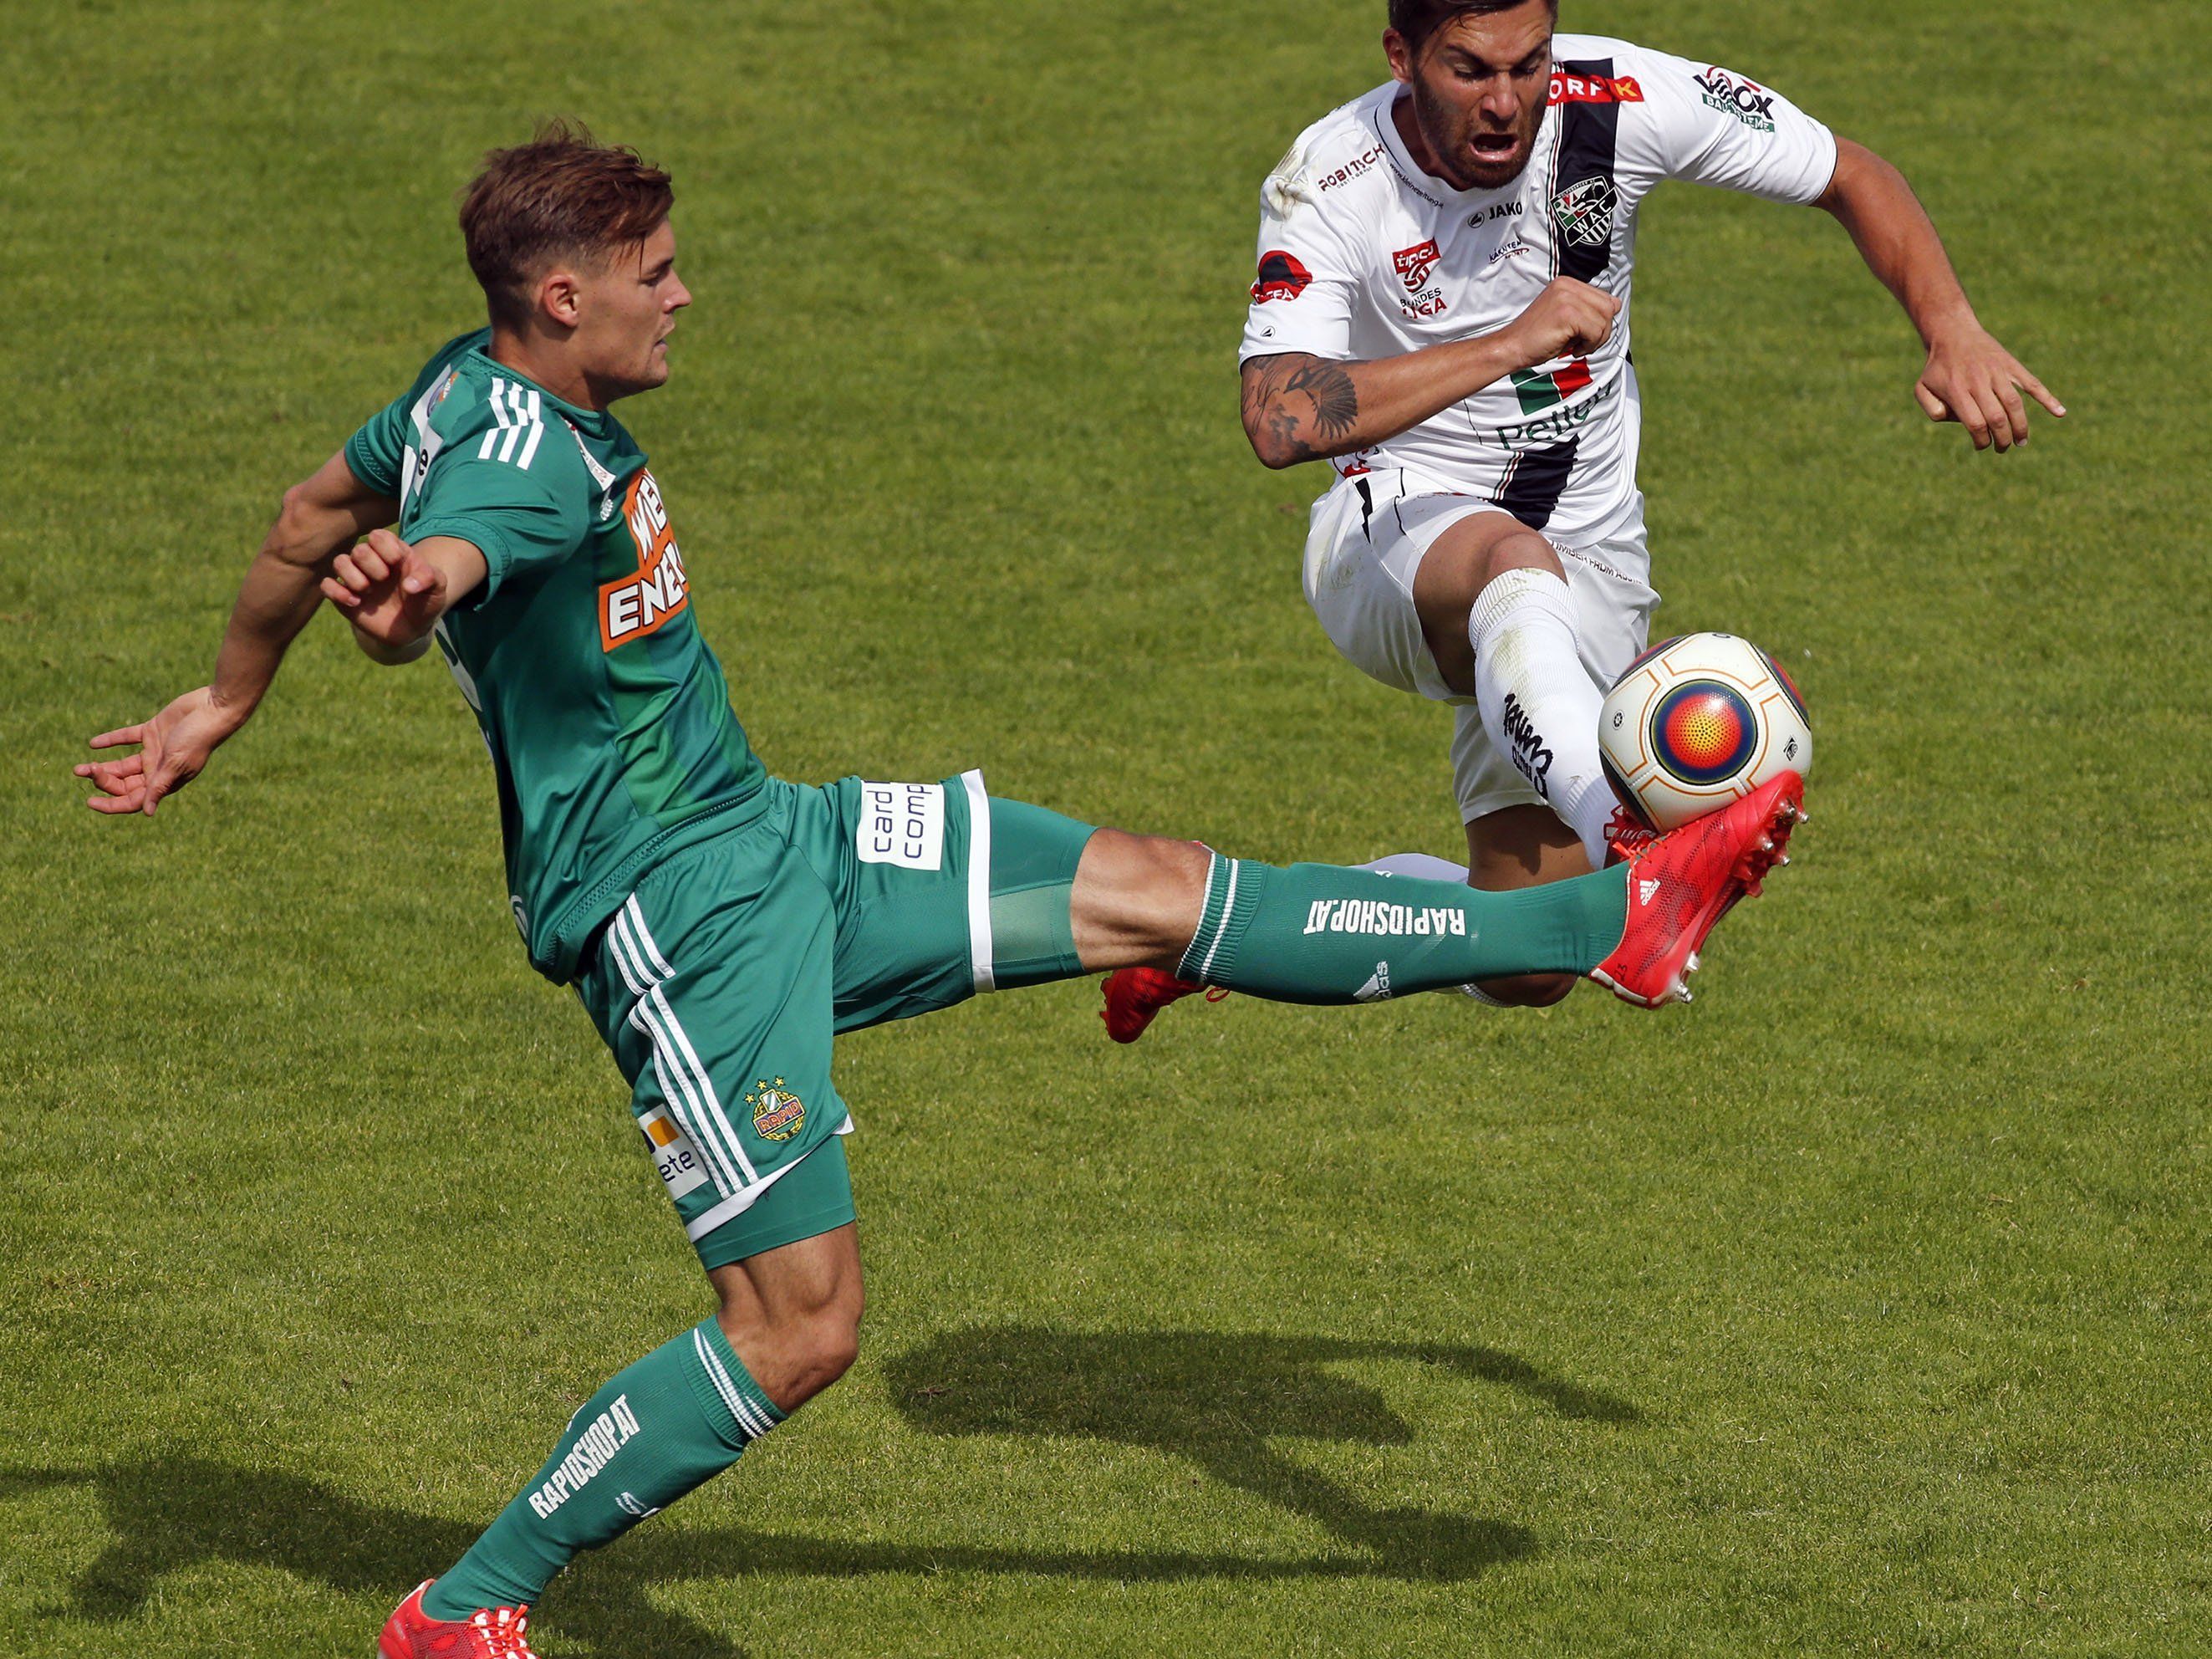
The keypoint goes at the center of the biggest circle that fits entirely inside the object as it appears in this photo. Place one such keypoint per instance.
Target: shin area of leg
(1538, 704)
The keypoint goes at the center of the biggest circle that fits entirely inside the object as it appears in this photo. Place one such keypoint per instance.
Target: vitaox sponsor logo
(1749, 102)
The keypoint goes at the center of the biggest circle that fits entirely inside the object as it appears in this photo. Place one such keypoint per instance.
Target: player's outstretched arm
(1298, 407)
(278, 595)
(1969, 377)
(393, 593)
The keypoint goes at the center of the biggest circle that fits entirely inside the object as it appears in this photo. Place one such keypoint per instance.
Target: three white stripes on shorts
(521, 420)
(683, 1080)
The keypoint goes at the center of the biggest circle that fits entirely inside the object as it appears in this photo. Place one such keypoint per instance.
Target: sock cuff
(727, 1391)
(1209, 921)
(1232, 895)
(1537, 590)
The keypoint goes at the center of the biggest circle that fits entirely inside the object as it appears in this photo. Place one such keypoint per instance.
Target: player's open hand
(1569, 319)
(391, 594)
(172, 747)
(1973, 381)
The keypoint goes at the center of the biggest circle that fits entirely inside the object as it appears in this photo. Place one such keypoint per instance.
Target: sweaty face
(1480, 86)
(626, 310)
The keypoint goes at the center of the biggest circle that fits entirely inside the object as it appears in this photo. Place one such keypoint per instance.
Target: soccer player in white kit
(1442, 309)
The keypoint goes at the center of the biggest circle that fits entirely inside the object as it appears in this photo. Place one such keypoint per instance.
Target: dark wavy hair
(561, 196)
(1417, 19)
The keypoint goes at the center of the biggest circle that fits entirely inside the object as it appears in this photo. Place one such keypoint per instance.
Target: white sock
(1419, 866)
(1537, 704)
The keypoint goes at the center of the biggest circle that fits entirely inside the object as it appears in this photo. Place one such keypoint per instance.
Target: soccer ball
(1698, 721)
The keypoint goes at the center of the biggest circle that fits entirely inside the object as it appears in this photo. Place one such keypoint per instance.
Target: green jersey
(608, 718)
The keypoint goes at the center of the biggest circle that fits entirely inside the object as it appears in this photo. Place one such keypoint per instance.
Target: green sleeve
(522, 522)
(373, 453)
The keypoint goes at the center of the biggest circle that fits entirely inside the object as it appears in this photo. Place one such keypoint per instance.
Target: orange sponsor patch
(638, 605)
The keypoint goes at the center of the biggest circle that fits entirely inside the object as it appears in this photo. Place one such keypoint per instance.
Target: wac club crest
(1584, 212)
(778, 1114)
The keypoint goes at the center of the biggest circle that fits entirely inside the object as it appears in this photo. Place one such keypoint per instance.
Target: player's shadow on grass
(173, 1514)
(1221, 1401)
(1217, 1401)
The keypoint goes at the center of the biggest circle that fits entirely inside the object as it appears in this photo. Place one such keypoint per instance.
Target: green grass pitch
(1859, 1309)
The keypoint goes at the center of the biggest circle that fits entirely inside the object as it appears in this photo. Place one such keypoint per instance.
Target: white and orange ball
(1698, 721)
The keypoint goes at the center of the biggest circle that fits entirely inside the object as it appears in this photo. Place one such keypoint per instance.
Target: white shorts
(1367, 539)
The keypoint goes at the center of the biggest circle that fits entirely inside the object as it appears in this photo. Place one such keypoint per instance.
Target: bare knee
(798, 1353)
(1466, 559)
(826, 1349)
(1165, 864)
(1138, 898)
(1475, 553)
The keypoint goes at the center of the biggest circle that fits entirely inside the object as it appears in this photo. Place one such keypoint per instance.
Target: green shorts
(722, 981)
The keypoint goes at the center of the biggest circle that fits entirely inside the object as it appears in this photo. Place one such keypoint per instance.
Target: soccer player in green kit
(721, 926)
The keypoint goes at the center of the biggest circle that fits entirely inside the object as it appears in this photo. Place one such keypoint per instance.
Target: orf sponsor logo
(1749, 102)
(1596, 89)
(638, 605)
(1282, 276)
(1414, 264)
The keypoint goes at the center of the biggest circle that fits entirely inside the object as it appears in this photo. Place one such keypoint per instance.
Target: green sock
(1314, 932)
(676, 1419)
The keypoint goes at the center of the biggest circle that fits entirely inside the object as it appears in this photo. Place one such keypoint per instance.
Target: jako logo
(1529, 754)
(637, 605)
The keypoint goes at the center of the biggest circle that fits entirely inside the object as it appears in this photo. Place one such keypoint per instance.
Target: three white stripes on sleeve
(521, 420)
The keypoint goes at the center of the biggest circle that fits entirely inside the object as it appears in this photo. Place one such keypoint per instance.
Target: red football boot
(493, 1634)
(1626, 837)
(1681, 884)
(1133, 995)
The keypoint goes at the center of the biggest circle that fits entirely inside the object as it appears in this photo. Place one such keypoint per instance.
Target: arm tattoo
(1335, 399)
(1327, 389)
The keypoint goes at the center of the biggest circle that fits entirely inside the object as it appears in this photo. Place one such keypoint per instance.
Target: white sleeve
(1307, 286)
(1713, 126)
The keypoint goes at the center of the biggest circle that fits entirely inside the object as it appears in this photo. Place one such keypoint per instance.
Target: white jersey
(1363, 255)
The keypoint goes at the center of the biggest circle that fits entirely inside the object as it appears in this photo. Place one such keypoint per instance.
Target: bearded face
(1479, 84)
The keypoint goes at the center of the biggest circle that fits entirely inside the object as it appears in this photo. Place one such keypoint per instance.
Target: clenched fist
(1569, 319)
